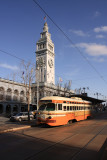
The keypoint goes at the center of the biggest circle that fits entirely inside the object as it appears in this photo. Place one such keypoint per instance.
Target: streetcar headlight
(49, 117)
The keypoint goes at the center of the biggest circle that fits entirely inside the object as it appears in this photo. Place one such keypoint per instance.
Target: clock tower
(45, 63)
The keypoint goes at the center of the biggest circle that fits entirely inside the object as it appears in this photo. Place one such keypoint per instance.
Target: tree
(67, 87)
(58, 88)
(27, 71)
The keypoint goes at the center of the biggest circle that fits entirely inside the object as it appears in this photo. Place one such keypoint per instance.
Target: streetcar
(56, 111)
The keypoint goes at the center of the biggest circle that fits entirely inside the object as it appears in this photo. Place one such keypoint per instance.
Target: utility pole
(37, 69)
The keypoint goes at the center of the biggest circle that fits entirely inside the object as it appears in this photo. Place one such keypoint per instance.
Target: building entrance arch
(8, 109)
(15, 108)
(1, 108)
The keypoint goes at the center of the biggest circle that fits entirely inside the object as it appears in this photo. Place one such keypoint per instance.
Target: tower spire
(45, 28)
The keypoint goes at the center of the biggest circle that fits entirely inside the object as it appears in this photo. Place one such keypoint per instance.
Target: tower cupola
(45, 28)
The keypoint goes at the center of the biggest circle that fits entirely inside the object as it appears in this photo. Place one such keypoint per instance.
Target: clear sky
(85, 23)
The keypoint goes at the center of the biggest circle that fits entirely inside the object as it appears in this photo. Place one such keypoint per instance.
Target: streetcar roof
(63, 98)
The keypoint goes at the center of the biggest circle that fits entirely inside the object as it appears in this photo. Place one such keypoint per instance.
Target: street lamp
(39, 66)
(37, 69)
(97, 94)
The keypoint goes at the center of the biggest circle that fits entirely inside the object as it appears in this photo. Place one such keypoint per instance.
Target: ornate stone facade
(12, 96)
(45, 63)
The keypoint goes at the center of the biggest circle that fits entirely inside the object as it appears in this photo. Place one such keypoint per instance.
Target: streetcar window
(45, 101)
(50, 107)
(59, 106)
(64, 108)
(70, 107)
(75, 108)
(67, 108)
(64, 102)
(79, 107)
(42, 107)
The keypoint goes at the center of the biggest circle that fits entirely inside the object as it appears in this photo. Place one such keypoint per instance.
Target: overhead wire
(69, 39)
(65, 36)
(12, 55)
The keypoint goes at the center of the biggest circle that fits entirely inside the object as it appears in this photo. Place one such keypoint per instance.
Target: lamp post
(40, 65)
(97, 94)
(37, 69)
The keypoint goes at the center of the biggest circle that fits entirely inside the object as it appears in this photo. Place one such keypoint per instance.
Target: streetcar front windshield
(50, 107)
(47, 107)
(42, 107)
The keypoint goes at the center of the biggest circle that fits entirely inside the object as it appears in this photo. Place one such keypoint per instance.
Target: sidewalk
(7, 126)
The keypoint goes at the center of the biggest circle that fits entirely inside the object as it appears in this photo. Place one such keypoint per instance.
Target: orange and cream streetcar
(55, 111)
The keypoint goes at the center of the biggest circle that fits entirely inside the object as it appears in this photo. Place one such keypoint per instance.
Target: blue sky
(83, 21)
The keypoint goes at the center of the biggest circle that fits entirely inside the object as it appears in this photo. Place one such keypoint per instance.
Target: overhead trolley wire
(11, 55)
(70, 41)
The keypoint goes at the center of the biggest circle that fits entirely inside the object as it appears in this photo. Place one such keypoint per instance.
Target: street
(82, 140)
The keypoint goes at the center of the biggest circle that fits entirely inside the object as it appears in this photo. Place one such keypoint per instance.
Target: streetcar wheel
(88, 117)
(69, 122)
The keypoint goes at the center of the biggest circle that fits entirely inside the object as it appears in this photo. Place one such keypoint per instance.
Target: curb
(14, 129)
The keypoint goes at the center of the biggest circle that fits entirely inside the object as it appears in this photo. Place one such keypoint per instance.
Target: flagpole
(45, 18)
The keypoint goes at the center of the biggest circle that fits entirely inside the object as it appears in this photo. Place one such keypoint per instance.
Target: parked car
(21, 116)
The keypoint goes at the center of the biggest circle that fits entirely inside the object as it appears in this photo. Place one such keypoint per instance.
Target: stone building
(12, 96)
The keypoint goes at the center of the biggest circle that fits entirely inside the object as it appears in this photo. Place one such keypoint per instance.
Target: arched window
(15, 108)
(22, 96)
(9, 91)
(1, 90)
(1, 93)
(22, 93)
(8, 95)
(8, 109)
(16, 93)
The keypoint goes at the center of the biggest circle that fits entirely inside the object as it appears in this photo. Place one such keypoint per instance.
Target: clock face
(50, 63)
(40, 62)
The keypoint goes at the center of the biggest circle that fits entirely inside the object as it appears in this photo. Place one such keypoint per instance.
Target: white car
(21, 116)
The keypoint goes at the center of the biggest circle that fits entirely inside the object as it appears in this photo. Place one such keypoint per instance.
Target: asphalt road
(85, 140)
